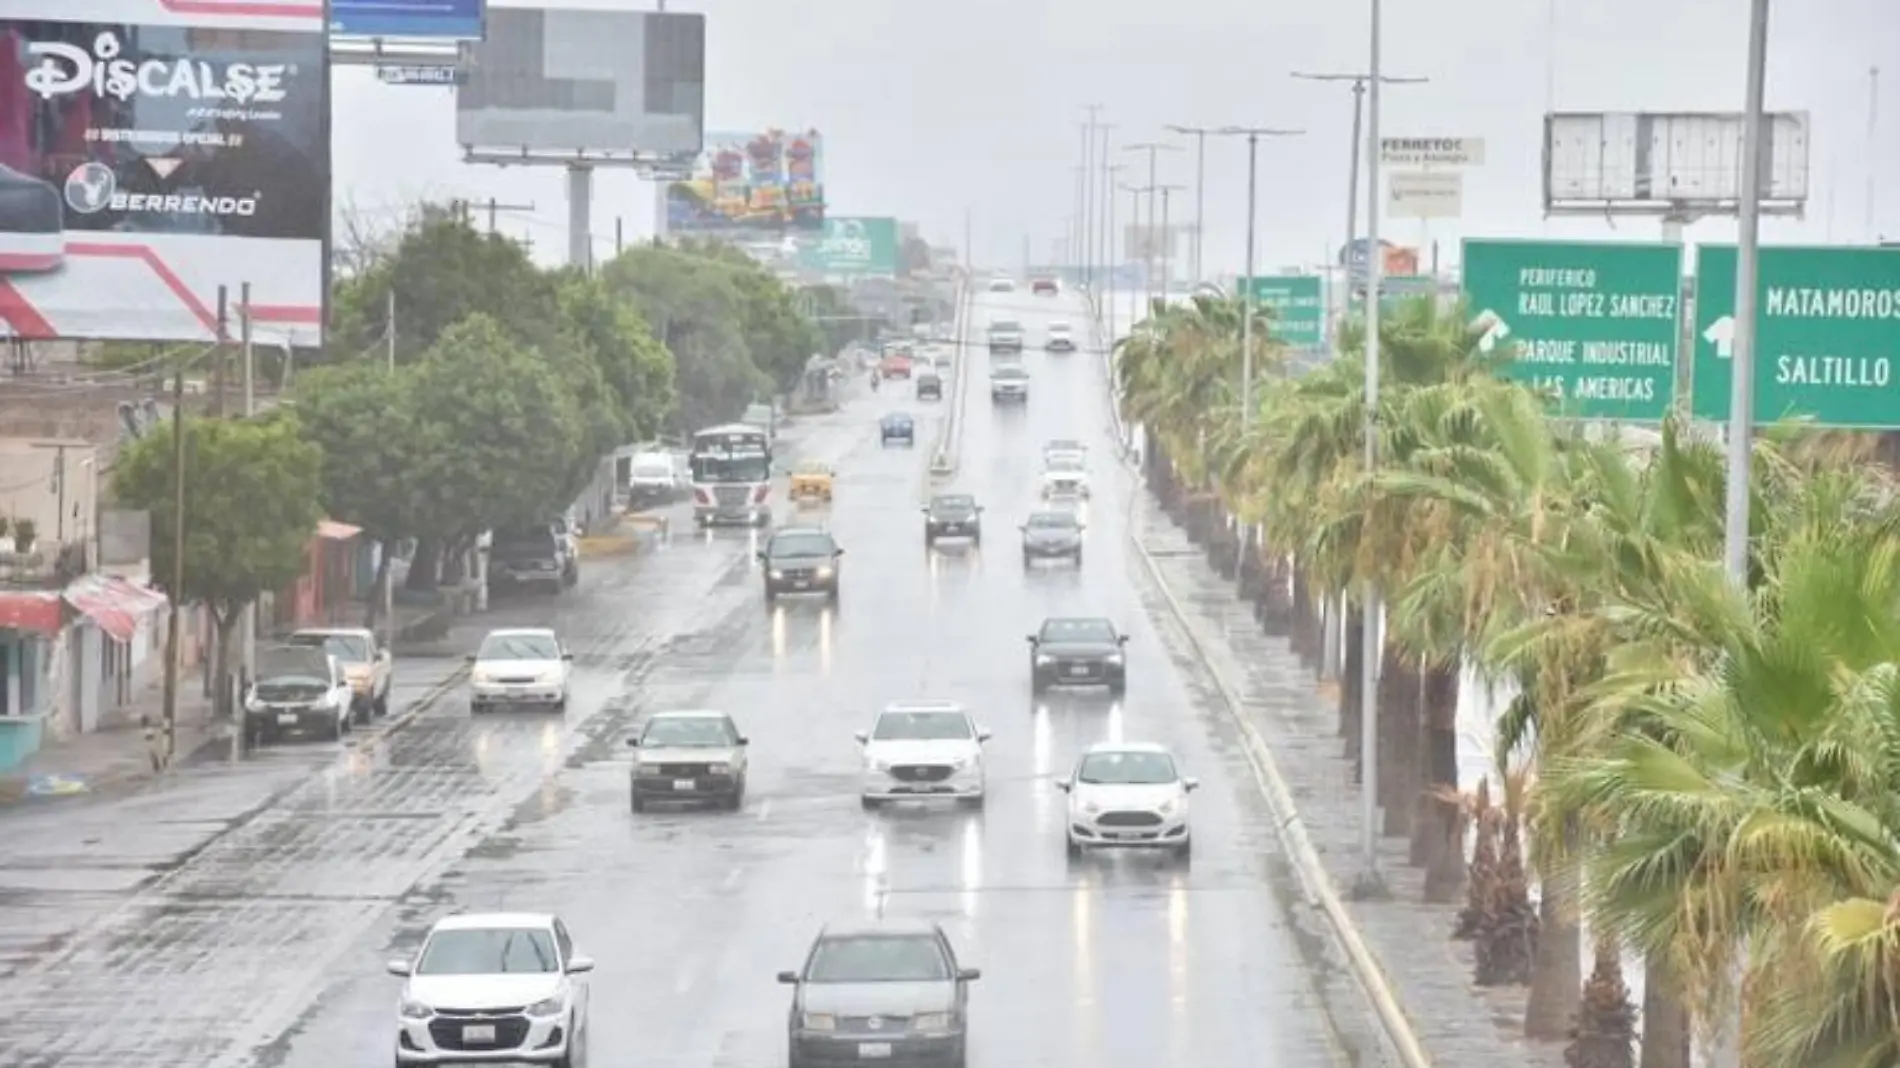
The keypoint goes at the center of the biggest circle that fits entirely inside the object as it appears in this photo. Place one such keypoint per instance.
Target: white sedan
(493, 987)
(1065, 479)
(1002, 285)
(519, 666)
(923, 749)
(1128, 794)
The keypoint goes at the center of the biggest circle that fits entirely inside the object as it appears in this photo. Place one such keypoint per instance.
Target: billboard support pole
(1741, 411)
(219, 357)
(176, 582)
(247, 619)
(580, 209)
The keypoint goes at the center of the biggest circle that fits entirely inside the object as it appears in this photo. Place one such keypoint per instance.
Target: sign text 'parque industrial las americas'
(1593, 324)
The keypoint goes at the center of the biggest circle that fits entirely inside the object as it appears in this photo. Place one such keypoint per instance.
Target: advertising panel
(155, 155)
(442, 20)
(765, 180)
(853, 248)
(608, 83)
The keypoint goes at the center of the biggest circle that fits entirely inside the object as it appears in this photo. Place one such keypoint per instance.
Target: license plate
(287, 719)
(1125, 836)
(478, 1032)
(802, 583)
(1078, 669)
(683, 785)
(870, 1050)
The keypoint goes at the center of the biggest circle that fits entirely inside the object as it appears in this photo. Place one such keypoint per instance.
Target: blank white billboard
(601, 82)
(1654, 162)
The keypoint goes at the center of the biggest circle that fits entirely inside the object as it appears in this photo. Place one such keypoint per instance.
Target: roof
(1128, 747)
(731, 428)
(509, 632)
(688, 713)
(897, 416)
(883, 925)
(353, 632)
(477, 921)
(801, 528)
(924, 706)
(1046, 620)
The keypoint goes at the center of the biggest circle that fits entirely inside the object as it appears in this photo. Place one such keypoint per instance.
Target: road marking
(765, 808)
(732, 877)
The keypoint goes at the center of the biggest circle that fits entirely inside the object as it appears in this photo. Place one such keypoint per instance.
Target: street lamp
(1741, 412)
(1154, 149)
(1199, 133)
(1167, 250)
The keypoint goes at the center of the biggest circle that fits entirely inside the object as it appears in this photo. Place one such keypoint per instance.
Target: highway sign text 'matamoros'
(1827, 335)
(1593, 324)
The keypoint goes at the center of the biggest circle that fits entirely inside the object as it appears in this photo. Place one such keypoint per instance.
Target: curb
(945, 455)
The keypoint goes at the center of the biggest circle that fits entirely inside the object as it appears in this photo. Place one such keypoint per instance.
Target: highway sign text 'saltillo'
(1299, 308)
(1827, 335)
(1593, 324)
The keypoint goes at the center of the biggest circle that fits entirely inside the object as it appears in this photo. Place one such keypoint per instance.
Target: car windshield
(755, 468)
(1058, 328)
(1126, 769)
(953, 504)
(897, 419)
(519, 647)
(495, 951)
(922, 727)
(298, 664)
(878, 959)
(812, 468)
(1053, 521)
(687, 731)
(1009, 372)
(1064, 464)
(349, 648)
(812, 544)
(1078, 630)
(651, 466)
(1004, 326)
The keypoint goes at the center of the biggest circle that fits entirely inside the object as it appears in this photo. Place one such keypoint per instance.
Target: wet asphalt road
(266, 947)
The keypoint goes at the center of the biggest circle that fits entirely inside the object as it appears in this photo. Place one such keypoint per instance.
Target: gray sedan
(1052, 535)
(886, 991)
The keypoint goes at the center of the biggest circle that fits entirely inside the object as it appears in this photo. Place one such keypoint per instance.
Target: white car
(923, 749)
(519, 666)
(1002, 285)
(495, 987)
(1064, 451)
(1059, 338)
(1065, 480)
(1128, 794)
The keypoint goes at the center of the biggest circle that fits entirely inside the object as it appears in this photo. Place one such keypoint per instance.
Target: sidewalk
(1429, 974)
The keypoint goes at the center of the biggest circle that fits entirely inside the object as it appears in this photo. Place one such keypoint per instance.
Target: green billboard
(1827, 335)
(1299, 307)
(1594, 324)
(853, 247)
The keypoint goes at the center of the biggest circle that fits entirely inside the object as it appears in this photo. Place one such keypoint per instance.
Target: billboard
(763, 180)
(148, 160)
(853, 247)
(610, 83)
(1655, 163)
(1398, 260)
(1424, 195)
(451, 20)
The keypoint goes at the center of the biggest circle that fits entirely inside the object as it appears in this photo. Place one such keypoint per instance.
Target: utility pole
(969, 246)
(1077, 226)
(1873, 153)
(389, 544)
(1253, 134)
(1154, 149)
(1199, 133)
(1109, 185)
(1098, 176)
(177, 591)
(1167, 250)
(1371, 884)
(1084, 210)
(1741, 413)
(220, 357)
(1104, 211)
(495, 208)
(1143, 303)
(247, 620)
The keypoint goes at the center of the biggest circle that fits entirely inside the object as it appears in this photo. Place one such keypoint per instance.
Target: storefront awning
(113, 603)
(331, 530)
(34, 610)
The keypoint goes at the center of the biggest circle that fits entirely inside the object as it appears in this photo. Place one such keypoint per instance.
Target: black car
(884, 991)
(953, 515)
(897, 426)
(1052, 535)
(801, 560)
(1078, 651)
(929, 386)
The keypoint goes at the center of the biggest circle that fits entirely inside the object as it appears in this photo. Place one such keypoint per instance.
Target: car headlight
(824, 572)
(411, 1009)
(480, 678)
(777, 574)
(553, 1006)
(1168, 807)
(932, 1021)
(1116, 660)
(552, 678)
(1044, 660)
(961, 763)
(718, 767)
(1091, 808)
(820, 1021)
(252, 704)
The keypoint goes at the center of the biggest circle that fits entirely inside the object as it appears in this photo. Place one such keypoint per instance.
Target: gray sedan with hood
(885, 991)
(1052, 535)
(689, 756)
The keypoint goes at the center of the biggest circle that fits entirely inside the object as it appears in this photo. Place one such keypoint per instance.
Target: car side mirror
(580, 963)
(969, 975)
(788, 978)
(1030, 638)
(470, 658)
(1190, 784)
(743, 740)
(633, 743)
(925, 511)
(399, 967)
(1064, 785)
(1121, 639)
(567, 656)
(759, 556)
(837, 552)
(863, 737)
(982, 734)
(979, 509)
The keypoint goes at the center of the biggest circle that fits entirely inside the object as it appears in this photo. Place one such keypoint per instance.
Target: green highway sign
(1299, 308)
(853, 247)
(1827, 335)
(1593, 323)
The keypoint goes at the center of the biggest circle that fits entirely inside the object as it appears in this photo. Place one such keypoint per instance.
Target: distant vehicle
(1059, 451)
(493, 987)
(921, 749)
(368, 667)
(1125, 794)
(1002, 285)
(1005, 335)
(519, 666)
(761, 415)
(1052, 535)
(811, 481)
(929, 386)
(801, 560)
(895, 364)
(944, 360)
(1065, 479)
(1044, 287)
(1059, 338)
(732, 475)
(1009, 384)
(653, 478)
(883, 991)
(532, 556)
(299, 689)
(689, 756)
(1072, 651)
(897, 426)
(953, 515)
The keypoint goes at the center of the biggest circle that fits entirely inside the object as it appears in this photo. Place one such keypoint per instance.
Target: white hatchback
(923, 749)
(493, 988)
(1128, 794)
(519, 666)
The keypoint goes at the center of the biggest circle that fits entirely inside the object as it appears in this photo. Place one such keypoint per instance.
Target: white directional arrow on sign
(1721, 334)
(1494, 327)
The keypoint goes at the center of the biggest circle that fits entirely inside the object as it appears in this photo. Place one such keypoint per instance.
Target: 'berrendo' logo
(66, 68)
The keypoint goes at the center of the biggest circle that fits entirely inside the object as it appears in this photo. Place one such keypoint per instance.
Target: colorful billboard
(765, 180)
(149, 161)
(852, 248)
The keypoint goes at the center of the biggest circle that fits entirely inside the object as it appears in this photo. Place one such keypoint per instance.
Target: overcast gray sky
(930, 109)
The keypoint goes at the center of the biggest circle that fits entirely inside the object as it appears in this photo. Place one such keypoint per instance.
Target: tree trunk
(423, 566)
(1557, 971)
(1353, 670)
(375, 609)
(1299, 629)
(224, 629)
(1223, 545)
(1398, 741)
(1311, 628)
(1279, 599)
(1665, 1018)
(1438, 758)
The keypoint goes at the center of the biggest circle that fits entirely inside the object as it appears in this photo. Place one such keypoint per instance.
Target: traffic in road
(687, 915)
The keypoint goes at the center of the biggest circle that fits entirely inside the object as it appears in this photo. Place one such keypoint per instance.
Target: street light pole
(1134, 222)
(1107, 296)
(1370, 883)
(1199, 133)
(1104, 196)
(1167, 251)
(1741, 412)
(1154, 149)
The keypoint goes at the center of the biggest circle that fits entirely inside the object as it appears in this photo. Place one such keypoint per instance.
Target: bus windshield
(716, 468)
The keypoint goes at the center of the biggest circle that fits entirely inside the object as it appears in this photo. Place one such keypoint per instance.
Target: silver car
(884, 991)
(689, 756)
(1052, 535)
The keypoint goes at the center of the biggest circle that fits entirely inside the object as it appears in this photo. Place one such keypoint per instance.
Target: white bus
(732, 475)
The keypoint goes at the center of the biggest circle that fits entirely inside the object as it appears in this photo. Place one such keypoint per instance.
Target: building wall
(55, 483)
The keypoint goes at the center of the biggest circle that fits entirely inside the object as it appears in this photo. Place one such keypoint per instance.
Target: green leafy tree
(638, 369)
(252, 493)
(831, 313)
(694, 311)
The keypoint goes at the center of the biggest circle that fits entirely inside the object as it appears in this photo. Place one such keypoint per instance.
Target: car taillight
(702, 496)
(759, 495)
